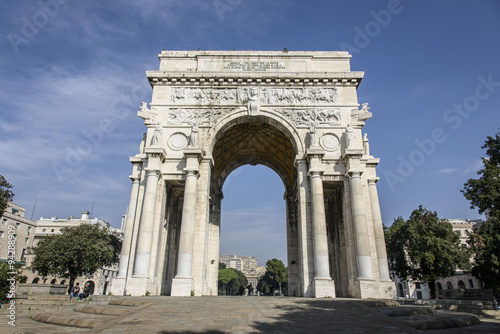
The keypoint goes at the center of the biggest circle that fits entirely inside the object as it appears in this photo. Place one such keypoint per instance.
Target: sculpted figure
(314, 134)
(193, 137)
(350, 137)
(142, 146)
(253, 101)
(366, 145)
(155, 140)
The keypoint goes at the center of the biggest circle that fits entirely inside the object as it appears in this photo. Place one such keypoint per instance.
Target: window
(419, 295)
(417, 286)
(26, 240)
(44, 230)
(14, 211)
(52, 230)
(471, 284)
(17, 225)
(461, 284)
(23, 258)
(1, 234)
(4, 221)
(449, 286)
(29, 230)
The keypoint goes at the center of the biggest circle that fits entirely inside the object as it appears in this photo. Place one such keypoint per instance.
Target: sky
(69, 69)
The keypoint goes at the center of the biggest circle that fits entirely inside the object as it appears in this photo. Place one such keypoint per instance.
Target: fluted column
(320, 244)
(129, 228)
(145, 236)
(186, 240)
(378, 228)
(363, 256)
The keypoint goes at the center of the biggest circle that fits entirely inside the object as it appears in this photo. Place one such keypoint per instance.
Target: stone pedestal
(182, 286)
(118, 286)
(372, 288)
(324, 288)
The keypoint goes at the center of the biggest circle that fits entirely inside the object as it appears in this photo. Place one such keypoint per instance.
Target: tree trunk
(280, 288)
(432, 287)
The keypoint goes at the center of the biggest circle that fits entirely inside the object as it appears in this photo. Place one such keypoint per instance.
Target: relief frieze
(267, 95)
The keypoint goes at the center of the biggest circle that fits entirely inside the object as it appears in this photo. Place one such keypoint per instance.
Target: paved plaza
(244, 315)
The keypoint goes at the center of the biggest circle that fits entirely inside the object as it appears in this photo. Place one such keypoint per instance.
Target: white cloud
(448, 170)
(474, 167)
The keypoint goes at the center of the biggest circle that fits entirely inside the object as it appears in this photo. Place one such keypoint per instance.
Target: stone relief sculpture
(200, 116)
(193, 137)
(363, 114)
(329, 116)
(366, 145)
(253, 104)
(268, 95)
(142, 146)
(155, 140)
(313, 130)
(350, 137)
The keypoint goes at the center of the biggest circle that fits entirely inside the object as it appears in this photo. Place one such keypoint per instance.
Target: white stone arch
(241, 115)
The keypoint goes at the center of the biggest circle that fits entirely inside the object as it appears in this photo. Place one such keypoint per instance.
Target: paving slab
(247, 315)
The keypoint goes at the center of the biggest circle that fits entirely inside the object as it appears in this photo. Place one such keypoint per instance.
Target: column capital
(152, 171)
(192, 172)
(354, 174)
(134, 178)
(373, 181)
(312, 173)
(156, 152)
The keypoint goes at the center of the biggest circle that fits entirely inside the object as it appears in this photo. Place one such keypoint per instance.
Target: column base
(182, 286)
(371, 288)
(117, 286)
(324, 288)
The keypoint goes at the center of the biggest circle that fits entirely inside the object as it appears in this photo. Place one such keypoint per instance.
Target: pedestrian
(75, 291)
(85, 293)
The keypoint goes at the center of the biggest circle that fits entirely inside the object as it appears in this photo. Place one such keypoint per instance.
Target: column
(129, 228)
(378, 228)
(186, 240)
(363, 256)
(145, 236)
(320, 244)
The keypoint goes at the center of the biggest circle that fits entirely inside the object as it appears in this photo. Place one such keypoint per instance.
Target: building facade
(295, 112)
(22, 230)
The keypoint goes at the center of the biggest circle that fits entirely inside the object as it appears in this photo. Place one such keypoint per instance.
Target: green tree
(222, 266)
(78, 251)
(484, 194)
(239, 284)
(277, 272)
(9, 274)
(226, 276)
(424, 248)
(5, 194)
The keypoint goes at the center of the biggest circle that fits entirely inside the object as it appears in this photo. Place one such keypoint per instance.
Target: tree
(277, 272)
(226, 276)
(5, 194)
(9, 274)
(239, 284)
(78, 251)
(424, 248)
(484, 194)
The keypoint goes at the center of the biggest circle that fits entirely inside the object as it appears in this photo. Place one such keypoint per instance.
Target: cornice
(351, 79)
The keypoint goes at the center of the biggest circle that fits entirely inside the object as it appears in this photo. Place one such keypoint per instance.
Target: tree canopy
(275, 277)
(5, 194)
(78, 251)
(484, 194)
(424, 248)
(226, 275)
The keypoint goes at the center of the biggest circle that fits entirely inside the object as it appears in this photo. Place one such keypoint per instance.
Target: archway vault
(253, 142)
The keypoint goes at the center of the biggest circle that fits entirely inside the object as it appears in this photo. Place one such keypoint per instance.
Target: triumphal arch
(295, 112)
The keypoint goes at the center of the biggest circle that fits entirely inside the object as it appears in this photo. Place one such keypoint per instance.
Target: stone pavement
(245, 315)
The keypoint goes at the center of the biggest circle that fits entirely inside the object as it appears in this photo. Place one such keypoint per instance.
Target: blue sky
(68, 69)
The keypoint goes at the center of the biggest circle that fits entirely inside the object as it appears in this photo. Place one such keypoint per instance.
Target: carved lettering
(254, 66)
